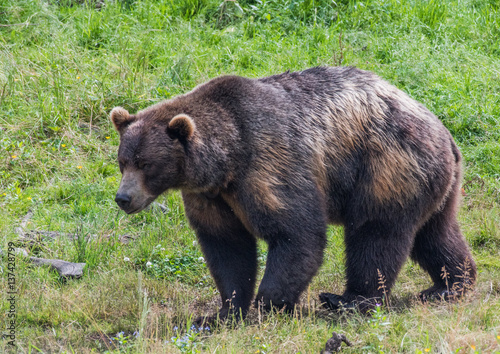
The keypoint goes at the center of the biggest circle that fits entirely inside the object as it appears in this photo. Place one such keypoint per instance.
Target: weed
(445, 276)
(162, 264)
(466, 281)
(379, 326)
(189, 342)
(382, 286)
(122, 340)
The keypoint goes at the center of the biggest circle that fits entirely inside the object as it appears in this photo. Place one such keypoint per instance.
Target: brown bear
(278, 158)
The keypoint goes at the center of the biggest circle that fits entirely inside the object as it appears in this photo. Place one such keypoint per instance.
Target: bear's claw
(432, 294)
(336, 302)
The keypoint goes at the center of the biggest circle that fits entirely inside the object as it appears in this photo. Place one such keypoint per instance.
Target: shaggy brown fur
(278, 158)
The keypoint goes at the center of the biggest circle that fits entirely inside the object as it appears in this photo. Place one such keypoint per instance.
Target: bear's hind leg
(375, 253)
(441, 249)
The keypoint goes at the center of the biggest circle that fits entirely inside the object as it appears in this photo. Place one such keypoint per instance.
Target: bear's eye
(142, 165)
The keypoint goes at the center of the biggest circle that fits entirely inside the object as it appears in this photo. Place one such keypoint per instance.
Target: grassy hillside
(65, 64)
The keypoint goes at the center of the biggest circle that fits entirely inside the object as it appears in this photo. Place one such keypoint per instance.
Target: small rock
(65, 269)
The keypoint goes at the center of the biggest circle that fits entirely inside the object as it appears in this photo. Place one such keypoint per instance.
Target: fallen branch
(65, 269)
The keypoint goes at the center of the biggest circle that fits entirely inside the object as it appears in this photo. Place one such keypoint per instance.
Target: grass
(64, 64)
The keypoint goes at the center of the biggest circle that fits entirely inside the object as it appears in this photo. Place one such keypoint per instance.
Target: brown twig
(3, 92)
(338, 60)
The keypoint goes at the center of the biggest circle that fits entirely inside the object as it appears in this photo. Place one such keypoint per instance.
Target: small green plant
(378, 318)
(189, 342)
(262, 347)
(122, 340)
(92, 249)
(81, 243)
(379, 326)
(182, 266)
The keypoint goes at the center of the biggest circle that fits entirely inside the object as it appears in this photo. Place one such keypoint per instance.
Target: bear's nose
(123, 200)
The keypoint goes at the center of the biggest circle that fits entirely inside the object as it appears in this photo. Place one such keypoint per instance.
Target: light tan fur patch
(119, 116)
(320, 170)
(356, 118)
(394, 176)
(230, 199)
(205, 212)
(132, 184)
(263, 190)
(183, 125)
(396, 172)
(269, 171)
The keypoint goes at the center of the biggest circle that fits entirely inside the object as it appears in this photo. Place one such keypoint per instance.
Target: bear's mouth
(134, 209)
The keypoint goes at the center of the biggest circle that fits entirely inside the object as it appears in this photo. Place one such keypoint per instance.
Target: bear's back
(344, 128)
(344, 121)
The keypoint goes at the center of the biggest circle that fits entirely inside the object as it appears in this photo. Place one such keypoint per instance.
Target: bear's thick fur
(279, 158)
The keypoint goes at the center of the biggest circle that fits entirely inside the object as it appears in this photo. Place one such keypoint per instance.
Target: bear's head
(151, 155)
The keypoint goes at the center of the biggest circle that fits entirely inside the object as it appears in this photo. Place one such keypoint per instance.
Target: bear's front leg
(291, 218)
(230, 252)
(290, 268)
(294, 257)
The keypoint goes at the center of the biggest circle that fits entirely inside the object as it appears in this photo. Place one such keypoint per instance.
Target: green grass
(64, 64)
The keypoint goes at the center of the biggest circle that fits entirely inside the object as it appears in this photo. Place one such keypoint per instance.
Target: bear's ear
(120, 118)
(181, 127)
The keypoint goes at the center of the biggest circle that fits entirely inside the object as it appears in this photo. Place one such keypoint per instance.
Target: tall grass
(65, 63)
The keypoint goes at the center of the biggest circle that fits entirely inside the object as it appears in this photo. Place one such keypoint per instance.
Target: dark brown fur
(278, 158)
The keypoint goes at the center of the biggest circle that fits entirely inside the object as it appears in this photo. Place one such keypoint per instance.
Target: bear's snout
(123, 200)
